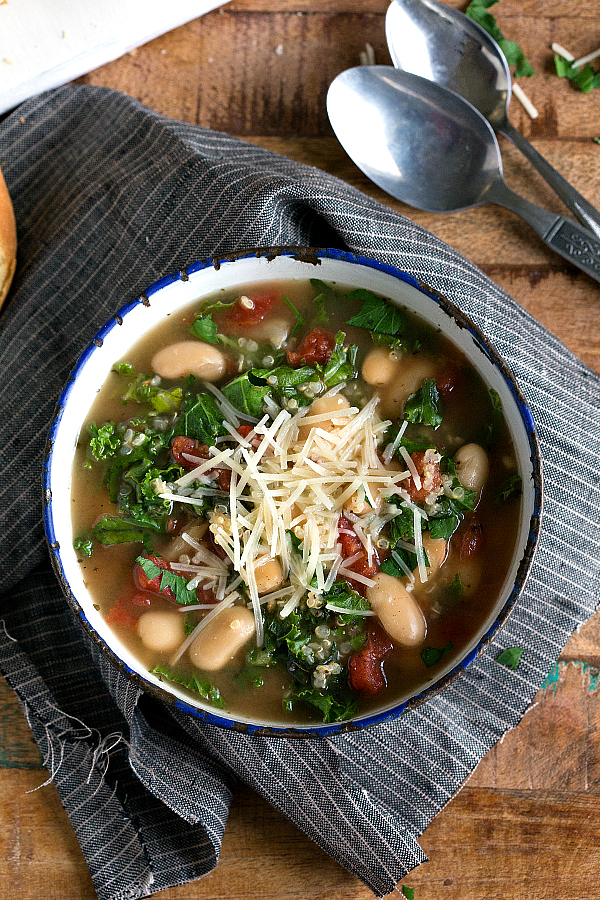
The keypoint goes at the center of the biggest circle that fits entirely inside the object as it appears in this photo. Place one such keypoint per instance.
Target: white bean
(381, 366)
(269, 576)
(275, 331)
(398, 612)
(189, 358)
(329, 404)
(436, 550)
(412, 370)
(472, 466)
(161, 630)
(222, 638)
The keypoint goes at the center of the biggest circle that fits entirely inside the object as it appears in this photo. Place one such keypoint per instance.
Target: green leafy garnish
(192, 683)
(246, 395)
(200, 418)
(104, 440)
(205, 329)
(496, 401)
(299, 317)
(478, 11)
(143, 390)
(84, 546)
(376, 314)
(432, 655)
(583, 78)
(456, 588)
(178, 584)
(295, 541)
(510, 657)
(334, 709)
(408, 892)
(423, 407)
(511, 488)
(124, 368)
(110, 530)
(342, 595)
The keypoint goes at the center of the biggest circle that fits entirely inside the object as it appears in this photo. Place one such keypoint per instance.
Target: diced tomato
(181, 445)
(316, 347)
(251, 309)
(205, 595)
(431, 477)
(245, 430)
(365, 667)
(143, 583)
(351, 543)
(123, 612)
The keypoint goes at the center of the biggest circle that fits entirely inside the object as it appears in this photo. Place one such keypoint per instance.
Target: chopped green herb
(299, 317)
(205, 329)
(296, 542)
(193, 683)
(583, 78)
(596, 140)
(496, 401)
(478, 11)
(124, 368)
(84, 546)
(178, 584)
(511, 488)
(456, 588)
(432, 655)
(423, 407)
(408, 892)
(200, 418)
(144, 390)
(110, 530)
(510, 657)
(376, 314)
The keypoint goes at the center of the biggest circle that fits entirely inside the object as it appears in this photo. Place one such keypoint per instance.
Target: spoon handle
(562, 235)
(587, 214)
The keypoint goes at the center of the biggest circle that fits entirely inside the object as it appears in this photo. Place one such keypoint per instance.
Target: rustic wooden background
(527, 824)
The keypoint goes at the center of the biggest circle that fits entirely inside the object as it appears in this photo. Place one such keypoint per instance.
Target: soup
(295, 501)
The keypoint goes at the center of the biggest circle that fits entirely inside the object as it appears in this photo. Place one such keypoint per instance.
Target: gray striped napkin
(109, 196)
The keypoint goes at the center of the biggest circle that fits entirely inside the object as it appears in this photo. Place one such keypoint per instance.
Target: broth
(367, 545)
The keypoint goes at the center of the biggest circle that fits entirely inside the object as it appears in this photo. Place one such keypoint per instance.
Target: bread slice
(8, 240)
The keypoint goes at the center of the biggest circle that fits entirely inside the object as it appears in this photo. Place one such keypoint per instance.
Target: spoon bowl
(443, 45)
(428, 147)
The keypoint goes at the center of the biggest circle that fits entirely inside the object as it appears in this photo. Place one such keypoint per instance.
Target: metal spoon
(428, 147)
(439, 43)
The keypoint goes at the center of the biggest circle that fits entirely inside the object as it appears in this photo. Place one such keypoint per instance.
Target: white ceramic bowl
(177, 291)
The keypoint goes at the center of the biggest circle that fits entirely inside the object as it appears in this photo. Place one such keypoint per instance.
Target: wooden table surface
(527, 824)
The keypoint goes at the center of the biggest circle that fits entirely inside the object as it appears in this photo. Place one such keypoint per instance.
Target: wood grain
(526, 825)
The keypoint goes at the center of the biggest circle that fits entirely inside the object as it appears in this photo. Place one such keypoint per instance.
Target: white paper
(45, 43)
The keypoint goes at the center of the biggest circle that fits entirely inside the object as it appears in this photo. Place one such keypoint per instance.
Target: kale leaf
(432, 655)
(105, 440)
(423, 407)
(200, 419)
(192, 683)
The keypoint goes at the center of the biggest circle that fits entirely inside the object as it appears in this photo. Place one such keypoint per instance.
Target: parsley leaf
(84, 546)
(432, 655)
(510, 657)
(298, 315)
(376, 314)
(408, 892)
(423, 406)
(192, 683)
(124, 368)
(478, 11)
(511, 488)
(205, 329)
(178, 584)
(585, 79)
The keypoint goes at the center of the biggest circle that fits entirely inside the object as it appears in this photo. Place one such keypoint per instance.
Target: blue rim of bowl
(313, 256)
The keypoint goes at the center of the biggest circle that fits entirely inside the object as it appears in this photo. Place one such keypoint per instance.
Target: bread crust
(8, 240)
